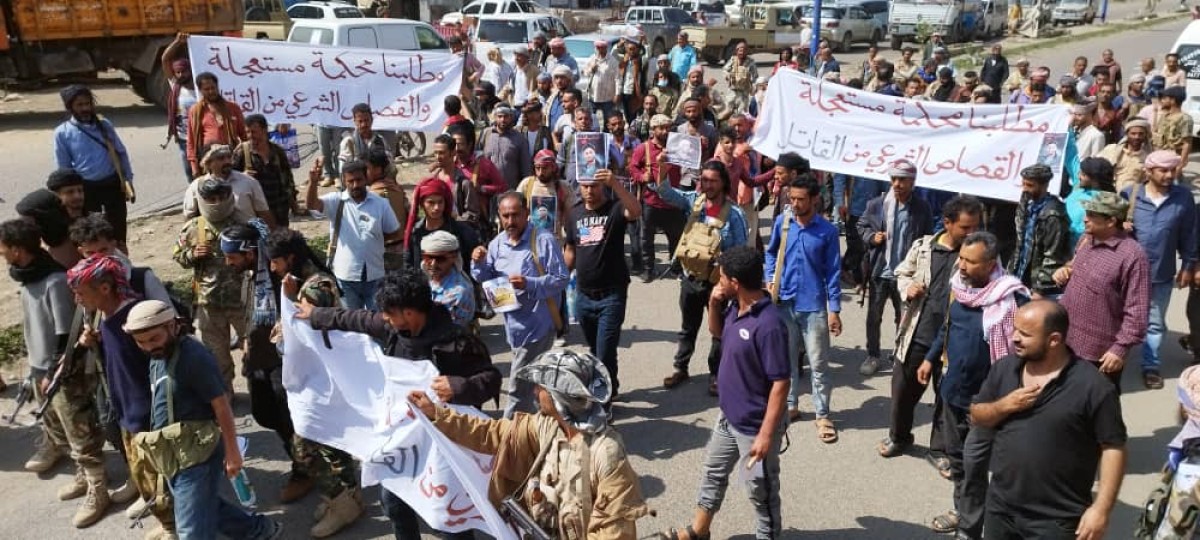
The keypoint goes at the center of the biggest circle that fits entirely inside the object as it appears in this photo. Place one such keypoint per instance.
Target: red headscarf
(429, 186)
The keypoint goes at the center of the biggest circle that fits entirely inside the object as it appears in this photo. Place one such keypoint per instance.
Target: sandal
(945, 523)
(826, 431)
(889, 448)
(676, 378)
(689, 534)
(942, 464)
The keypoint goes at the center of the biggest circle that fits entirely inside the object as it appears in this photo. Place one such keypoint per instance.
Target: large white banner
(314, 84)
(968, 148)
(350, 396)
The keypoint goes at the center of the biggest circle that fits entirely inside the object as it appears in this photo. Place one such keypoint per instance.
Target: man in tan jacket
(543, 459)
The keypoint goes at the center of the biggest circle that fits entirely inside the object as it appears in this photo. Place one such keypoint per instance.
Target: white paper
(501, 294)
(683, 150)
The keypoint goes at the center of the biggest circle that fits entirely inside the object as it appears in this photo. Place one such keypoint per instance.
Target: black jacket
(874, 219)
(1051, 247)
(994, 72)
(457, 354)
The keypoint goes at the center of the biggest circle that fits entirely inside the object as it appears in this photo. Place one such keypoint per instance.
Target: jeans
(878, 294)
(187, 167)
(359, 294)
(670, 221)
(328, 141)
(520, 392)
(601, 319)
(1001, 526)
(200, 514)
(1160, 299)
(406, 524)
(812, 330)
(723, 457)
(693, 304)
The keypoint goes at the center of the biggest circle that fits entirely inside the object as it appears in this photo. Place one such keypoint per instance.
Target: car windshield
(347, 13)
(580, 48)
(503, 31)
(527, 7)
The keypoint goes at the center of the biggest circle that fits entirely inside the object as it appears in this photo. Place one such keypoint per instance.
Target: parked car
(492, 7)
(324, 10)
(661, 25)
(370, 33)
(583, 47)
(706, 12)
(270, 19)
(511, 31)
(844, 26)
(1074, 12)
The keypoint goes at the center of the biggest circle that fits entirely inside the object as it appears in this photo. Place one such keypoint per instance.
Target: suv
(491, 7)
(844, 26)
(370, 33)
(512, 31)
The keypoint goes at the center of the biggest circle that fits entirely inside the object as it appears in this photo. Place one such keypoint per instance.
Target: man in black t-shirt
(595, 249)
(1057, 421)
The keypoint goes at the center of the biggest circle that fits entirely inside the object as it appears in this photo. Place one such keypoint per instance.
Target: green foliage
(12, 345)
(318, 244)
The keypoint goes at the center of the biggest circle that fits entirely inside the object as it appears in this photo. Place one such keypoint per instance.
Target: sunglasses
(434, 258)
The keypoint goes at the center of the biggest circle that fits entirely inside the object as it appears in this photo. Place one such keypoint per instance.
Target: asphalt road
(842, 491)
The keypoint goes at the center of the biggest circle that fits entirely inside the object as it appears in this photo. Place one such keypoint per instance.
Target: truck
(659, 24)
(45, 40)
(771, 27)
(955, 20)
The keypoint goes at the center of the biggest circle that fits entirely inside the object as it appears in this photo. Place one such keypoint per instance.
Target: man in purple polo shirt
(753, 382)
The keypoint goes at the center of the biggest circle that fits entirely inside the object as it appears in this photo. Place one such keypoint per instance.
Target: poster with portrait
(683, 150)
(591, 155)
(543, 209)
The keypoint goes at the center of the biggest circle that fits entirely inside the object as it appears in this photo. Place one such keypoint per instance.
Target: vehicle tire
(711, 56)
(157, 87)
(257, 14)
(658, 48)
(875, 38)
(847, 42)
(897, 43)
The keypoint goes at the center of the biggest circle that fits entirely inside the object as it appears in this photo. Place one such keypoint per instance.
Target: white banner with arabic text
(974, 149)
(345, 393)
(313, 84)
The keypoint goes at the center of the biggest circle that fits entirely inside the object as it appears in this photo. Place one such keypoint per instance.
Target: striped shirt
(1108, 297)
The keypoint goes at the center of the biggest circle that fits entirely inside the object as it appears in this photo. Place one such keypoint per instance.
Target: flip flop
(689, 532)
(945, 523)
(826, 431)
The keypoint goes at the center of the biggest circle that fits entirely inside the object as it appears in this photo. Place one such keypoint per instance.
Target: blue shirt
(457, 294)
(1075, 212)
(812, 264)
(1165, 230)
(196, 383)
(127, 369)
(82, 147)
(969, 356)
(531, 321)
(682, 60)
(862, 190)
(733, 232)
(754, 354)
(360, 244)
(899, 230)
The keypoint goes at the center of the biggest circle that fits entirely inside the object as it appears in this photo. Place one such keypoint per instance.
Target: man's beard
(166, 351)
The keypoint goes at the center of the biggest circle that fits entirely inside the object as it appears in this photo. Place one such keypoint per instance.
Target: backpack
(183, 313)
(700, 242)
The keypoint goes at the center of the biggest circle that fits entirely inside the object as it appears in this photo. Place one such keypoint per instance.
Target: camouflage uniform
(334, 470)
(71, 422)
(220, 302)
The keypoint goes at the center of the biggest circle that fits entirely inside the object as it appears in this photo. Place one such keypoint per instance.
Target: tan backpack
(700, 243)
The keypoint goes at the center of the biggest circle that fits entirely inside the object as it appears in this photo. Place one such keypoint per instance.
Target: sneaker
(137, 509)
(869, 367)
(44, 459)
(127, 492)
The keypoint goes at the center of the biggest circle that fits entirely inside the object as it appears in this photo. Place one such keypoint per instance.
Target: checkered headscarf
(99, 266)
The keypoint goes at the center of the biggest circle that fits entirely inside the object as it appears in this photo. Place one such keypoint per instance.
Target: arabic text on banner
(968, 148)
(350, 396)
(312, 84)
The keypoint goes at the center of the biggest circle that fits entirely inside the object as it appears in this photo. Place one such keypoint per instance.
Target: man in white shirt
(362, 224)
(1089, 140)
(602, 88)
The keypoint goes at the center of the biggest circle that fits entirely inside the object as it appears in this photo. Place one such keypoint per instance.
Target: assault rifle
(516, 516)
(64, 364)
(24, 394)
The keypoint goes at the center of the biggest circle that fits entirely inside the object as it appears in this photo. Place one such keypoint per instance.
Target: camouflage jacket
(215, 284)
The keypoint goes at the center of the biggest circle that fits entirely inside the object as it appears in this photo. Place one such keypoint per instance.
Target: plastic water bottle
(571, 311)
(243, 489)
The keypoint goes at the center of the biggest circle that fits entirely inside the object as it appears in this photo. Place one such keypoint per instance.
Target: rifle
(23, 396)
(516, 516)
(64, 363)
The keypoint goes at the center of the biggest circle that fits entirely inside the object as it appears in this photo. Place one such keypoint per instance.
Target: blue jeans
(1160, 299)
(200, 514)
(601, 321)
(359, 294)
(811, 329)
(187, 167)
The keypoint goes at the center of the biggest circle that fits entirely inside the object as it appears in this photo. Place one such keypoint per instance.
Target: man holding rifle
(52, 324)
